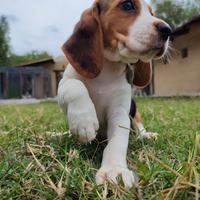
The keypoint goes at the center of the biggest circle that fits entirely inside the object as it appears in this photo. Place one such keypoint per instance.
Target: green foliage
(29, 57)
(176, 13)
(7, 57)
(4, 41)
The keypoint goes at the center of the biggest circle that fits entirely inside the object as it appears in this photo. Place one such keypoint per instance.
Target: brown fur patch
(117, 20)
(84, 49)
(104, 6)
(142, 74)
(138, 117)
(150, 10)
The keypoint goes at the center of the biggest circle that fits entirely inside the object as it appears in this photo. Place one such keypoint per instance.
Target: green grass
(37, 164)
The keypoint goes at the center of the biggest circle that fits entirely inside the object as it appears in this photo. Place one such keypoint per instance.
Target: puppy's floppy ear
(142, 74)
(84, 49)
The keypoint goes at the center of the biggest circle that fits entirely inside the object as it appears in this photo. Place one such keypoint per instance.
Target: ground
(40, 160)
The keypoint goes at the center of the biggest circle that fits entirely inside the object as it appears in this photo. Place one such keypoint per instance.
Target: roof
(185, 27)
(22, 70)
(38, 62)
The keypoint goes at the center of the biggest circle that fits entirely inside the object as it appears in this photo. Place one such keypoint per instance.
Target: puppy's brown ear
(84, 49)
(142, 74)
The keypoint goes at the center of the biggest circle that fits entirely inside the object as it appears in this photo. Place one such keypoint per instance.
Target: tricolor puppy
(94, 91)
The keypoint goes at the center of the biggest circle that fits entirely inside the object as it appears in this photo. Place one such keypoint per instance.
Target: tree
(4, 41)
(29, 57)
(177, 12)
(7, 57)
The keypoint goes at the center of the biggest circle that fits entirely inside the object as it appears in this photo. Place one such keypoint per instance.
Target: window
(184, 52)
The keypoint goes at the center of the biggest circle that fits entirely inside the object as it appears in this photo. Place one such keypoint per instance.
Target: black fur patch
(103, 5)
(133, 109)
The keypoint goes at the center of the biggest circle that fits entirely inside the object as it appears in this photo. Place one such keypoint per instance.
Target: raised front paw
(83, 122)
(111, 173)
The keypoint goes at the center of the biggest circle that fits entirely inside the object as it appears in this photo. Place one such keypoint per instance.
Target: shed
(38, 79)
(24, 82)
(181, 74)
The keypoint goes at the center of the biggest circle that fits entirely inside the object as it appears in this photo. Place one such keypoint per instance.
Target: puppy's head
(118, 30)
(130, 27)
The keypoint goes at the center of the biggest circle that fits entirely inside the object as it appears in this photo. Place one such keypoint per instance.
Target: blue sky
(41, 24)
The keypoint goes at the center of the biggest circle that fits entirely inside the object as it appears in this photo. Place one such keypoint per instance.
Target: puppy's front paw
(83, 122)
(111, 173)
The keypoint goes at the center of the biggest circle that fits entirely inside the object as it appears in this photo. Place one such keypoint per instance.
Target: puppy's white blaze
(142, 29)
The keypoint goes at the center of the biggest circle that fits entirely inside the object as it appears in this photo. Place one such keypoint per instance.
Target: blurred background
(32, 32)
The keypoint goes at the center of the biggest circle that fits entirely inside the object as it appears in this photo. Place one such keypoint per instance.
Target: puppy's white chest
(106, 87)
(108, 82)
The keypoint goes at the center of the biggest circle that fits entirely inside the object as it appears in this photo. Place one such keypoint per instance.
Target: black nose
(164, 30)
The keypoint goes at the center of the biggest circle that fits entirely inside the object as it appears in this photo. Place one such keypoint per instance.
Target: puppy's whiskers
(167, 56)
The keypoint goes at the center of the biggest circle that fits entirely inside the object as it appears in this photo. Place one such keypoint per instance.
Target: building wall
(60, 65)
(182, 75)
(39, 87)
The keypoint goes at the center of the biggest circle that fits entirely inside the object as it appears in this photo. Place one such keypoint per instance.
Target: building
(181, 75)
(37, 79)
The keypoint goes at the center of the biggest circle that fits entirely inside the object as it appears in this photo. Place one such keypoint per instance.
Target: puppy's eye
(128, 6)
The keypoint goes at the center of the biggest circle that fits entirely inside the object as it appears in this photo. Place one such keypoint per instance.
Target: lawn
(40, 160)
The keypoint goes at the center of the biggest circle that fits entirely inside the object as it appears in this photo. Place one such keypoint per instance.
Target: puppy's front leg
(74, 99)
(114, 157)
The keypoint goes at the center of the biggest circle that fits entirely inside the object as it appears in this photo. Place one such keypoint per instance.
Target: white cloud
(41, 24)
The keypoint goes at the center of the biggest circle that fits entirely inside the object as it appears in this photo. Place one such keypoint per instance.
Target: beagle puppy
(94, 91)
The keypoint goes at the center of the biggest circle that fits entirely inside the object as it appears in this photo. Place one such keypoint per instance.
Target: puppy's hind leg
(140, 130)
(136, 123)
